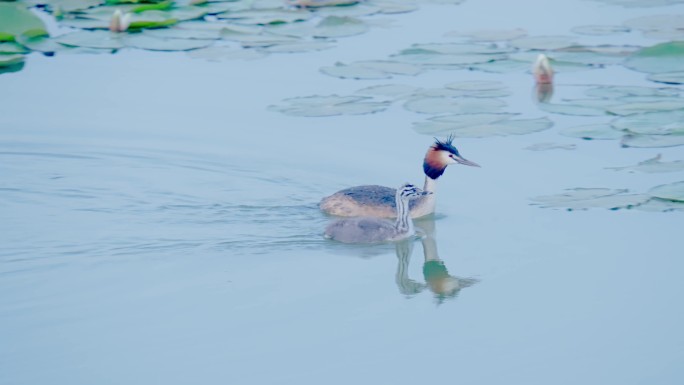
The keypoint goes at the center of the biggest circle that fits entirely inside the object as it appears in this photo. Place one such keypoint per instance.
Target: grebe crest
(376, 230)
(378, 201)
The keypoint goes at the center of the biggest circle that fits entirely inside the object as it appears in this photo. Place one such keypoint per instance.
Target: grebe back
(375, 230)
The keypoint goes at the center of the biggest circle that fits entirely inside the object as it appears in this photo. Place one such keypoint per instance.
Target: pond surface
(160, 224)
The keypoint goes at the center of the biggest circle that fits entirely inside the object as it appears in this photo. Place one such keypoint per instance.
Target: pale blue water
(159, 225)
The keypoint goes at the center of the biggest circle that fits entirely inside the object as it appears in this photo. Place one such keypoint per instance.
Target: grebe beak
(464, 161)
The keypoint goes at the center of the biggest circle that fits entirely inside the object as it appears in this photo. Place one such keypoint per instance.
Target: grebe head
(440, 155)
(407, 191)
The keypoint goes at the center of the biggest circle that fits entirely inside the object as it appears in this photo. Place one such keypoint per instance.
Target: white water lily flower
(543, 73)
(120, 21)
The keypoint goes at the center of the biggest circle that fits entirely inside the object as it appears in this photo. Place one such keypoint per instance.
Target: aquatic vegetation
(316, 106)
(653, 165)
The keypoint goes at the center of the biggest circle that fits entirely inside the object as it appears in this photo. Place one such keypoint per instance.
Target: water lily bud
(543, 73)
(120, 22)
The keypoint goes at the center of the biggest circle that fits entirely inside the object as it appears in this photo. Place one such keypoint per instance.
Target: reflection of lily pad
(672, 191)
(453, 105)
(653, 165)
(664, 57)
(586, 198)
(315, 106)
(592, 131)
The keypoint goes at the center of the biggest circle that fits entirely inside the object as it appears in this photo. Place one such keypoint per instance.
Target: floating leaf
(668, 77)
(586, 198)
(664, 57)
(10, 60)
(317, 106)
(225, 53)
(344, 71)
(10, 47)
(453, 105)
(656, 22)
(322, 3)
(550, 146)
(614, 92)
(16, 20)
(490, 34)
(41, 44)
(445, 124)
(389, 90)
(336, 26)
(651, 141)
(543, 42)
(571, 109)
(92, 39)
(600, 30)
(390, 67)
(498, 128)
(661, 205)
(152, 43)
(592, 131)
(265, 17)
(653, 165)
(456, 49)
(654, 123)
(304, 46)
(645, 107)
(672, 191)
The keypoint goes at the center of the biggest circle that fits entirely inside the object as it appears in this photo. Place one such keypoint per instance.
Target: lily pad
(652, 141)
(92, 39)
(499, 128)
(490, 34)
(664, 57)
(447, 123)
(16, 20)
(653, 165)
(656, 22)
(614, 92)
(221, 53)
(587, 198)
(10, 60)
(655, 123)
(543, 42)
(11, 48)
(645, 107)
(337, 26)
(661, 205)
(600, 30)
(668, 77)
(547, 146)
(152, 43)
(303, 46)
(592, 132)
(390, 67)
(318, 106)
(453, 105)
(41, 44)
(266, 16)
(571, 109)
(389, 90)
(672, 191)
(345, 71)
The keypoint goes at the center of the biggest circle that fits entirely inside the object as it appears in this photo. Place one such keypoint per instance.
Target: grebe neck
(430, 184)
(404, 224)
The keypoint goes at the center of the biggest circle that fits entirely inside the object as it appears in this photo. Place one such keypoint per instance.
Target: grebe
(375, 230)
(378, 201)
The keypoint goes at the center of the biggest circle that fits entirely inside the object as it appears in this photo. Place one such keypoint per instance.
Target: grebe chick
(378, 201)
(375, 230)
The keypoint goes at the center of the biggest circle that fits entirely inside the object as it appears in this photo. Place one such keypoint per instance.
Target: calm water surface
(159, 225)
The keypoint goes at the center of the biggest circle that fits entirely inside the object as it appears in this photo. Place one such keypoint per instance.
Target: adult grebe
(378, 201)
(375, 230)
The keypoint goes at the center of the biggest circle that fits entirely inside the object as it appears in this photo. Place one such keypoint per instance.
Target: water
(160, 226)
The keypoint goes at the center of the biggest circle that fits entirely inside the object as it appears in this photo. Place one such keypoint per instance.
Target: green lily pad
(74, 5)
(432, 105)
(322, 3)
(652, 141)
(390, 67)
(672, 191)
(40, 43)
(456, 49)
(653, 165)
(266, 16)
(221, 53)
(337, 26)
(92, 39)
(592, 132)
(668, 77)
(664, 57)
(501, 65)
(152, 43)
(661, 205)
(11, 60)
(447, 123)
(182, 33)
(319, 106)
(16, 20)
(10, 47)
(587, 198)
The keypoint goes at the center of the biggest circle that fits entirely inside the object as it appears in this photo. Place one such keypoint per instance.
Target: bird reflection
(543, 92)
(437, 278)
